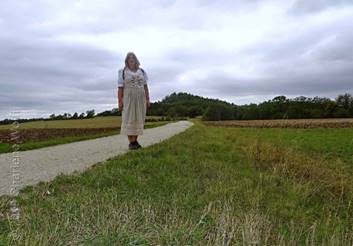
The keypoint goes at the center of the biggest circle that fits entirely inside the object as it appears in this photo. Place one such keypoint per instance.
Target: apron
(134, 103)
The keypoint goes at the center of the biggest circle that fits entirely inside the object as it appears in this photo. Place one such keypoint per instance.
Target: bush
(218, 112)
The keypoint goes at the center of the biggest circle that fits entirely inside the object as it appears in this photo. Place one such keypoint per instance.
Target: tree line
(187, 105)
(281, 107)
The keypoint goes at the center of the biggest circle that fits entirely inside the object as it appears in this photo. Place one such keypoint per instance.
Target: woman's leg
(131, 138)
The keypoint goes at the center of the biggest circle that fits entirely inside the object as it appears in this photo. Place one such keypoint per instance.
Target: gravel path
(19, 169)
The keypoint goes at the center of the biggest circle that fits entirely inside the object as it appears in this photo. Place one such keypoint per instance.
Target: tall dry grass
(327, 181)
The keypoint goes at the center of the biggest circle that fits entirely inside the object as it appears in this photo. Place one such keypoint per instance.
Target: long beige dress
(134, 101)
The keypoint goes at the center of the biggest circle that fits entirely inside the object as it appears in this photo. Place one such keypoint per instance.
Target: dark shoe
(134, 145)
(138, 145)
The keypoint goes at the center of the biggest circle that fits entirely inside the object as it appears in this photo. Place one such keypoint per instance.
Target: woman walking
(133, 98)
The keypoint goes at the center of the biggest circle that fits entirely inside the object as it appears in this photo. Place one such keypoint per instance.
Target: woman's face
(131, 62)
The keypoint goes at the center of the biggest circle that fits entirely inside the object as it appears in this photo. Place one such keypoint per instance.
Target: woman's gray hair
(132, 54)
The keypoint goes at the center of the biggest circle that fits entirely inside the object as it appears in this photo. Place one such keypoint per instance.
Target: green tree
(90, 113)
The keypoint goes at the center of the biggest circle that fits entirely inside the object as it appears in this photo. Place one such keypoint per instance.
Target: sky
(62, 56)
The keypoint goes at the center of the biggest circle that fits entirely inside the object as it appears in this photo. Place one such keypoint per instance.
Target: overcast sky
(63, 55)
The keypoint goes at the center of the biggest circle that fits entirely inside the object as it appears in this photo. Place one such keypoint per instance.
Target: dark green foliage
(219, 112)
(185, 104)
(280, 107)
(90, 113)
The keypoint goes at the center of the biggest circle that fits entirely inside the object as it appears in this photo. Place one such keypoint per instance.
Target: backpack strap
(124, 73)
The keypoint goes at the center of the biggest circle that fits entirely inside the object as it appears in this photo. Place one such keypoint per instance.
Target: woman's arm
(120, 89)
(120, 98)
(147, 94)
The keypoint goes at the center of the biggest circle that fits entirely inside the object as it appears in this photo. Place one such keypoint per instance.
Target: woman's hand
(120, 106)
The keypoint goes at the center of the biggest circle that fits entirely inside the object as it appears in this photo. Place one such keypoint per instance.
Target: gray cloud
(64, 56)
(41, 75)
(310, 6)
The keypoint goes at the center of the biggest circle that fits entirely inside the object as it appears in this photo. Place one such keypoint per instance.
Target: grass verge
(204, 186)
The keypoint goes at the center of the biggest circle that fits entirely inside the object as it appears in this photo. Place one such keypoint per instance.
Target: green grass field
(329, 144)
(205, 186)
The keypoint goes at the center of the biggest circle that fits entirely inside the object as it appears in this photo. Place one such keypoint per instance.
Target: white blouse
(138, 78)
